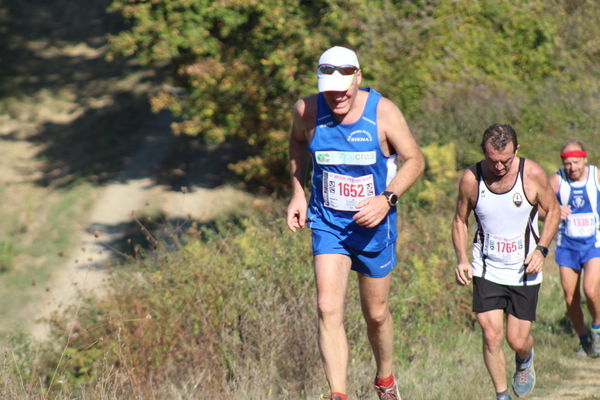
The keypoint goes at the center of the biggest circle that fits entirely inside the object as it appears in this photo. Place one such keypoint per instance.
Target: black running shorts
(519, 301)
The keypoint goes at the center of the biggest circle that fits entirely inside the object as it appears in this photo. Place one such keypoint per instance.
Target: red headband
(573, 153)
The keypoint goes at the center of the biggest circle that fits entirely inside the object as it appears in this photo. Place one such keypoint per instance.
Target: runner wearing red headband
(578, 242)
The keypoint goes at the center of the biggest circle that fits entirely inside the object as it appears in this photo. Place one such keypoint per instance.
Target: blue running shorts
(371, 264)
(575, 259)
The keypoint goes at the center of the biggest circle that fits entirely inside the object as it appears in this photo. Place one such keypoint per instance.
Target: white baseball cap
(339, 57)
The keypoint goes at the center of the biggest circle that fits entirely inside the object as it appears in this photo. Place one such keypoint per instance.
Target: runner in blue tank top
(354, 137)
(578, 243)
(349, 166)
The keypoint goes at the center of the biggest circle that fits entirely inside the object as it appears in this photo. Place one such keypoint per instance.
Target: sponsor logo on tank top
(578, 201)
(517, 199)
(360, 136)
(345, 157)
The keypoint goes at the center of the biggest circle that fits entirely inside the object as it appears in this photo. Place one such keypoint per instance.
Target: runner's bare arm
(399, 139)
(467, 194)
(564, 210)
(546, 201)
(298, 159)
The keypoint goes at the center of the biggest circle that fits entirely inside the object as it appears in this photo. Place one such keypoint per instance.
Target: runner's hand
(534, 262)
(464, 274)
(296, 213)
(372, 211)
(565, 211)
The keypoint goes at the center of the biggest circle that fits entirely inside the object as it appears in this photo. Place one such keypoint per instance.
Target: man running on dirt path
(504, 192)
(577, 186)
(354, 137)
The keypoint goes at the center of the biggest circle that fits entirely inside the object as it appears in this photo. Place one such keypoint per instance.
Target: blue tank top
(580, 230)
(349, 166)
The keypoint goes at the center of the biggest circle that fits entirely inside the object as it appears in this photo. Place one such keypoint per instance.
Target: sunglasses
(327, 69)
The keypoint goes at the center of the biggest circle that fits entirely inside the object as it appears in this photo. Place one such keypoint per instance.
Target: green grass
(38, 244)
(230, 307)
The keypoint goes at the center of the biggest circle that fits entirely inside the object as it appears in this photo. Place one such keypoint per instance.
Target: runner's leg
(569, 279)
(374, 301)
(492, 327)
(518, 336)
(331, 276)
(591, 288)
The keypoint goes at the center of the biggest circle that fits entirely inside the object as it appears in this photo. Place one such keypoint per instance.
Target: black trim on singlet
(529, 230)
(484, 269)
(479, 231)
(479, 177)
(521, 171)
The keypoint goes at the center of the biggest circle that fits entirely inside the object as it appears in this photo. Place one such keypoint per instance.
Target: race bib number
(581, 225)
(343, 192)
(504, 250)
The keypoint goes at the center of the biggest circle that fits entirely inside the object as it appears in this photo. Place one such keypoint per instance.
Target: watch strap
(542, 249)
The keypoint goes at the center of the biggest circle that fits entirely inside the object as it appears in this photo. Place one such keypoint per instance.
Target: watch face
(391, 197)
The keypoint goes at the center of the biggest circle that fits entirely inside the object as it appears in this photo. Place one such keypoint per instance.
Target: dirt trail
(133, 193)
(68, 115)
(84, 271)
(584, 385)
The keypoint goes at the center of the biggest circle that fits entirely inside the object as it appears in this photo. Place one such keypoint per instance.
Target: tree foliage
(454, 67)
(240, 65)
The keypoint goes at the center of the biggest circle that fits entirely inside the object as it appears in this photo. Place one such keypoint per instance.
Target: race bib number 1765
(505, 250)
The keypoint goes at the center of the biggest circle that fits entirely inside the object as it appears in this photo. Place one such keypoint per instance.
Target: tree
(241, 65)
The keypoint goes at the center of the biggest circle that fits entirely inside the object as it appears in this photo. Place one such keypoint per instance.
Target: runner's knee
(330, 309)
(517, 342)
(492, 337)
(376, 317)
(591, 290)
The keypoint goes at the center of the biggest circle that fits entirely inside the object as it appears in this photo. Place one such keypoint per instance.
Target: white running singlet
(506, 232)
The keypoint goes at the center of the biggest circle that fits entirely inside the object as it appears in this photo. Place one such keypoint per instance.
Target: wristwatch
(542, 249)
(391, 197)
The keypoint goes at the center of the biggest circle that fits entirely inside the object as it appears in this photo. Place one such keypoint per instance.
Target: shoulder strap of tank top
(592, 187)
(478, 171)
(593, 174)
(372, 102)
(521, 167)
(564, 187)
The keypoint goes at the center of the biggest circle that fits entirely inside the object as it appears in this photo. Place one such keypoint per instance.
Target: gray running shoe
(585, 347)
(388, 392)
(524, 377)
(503, 397)
(595, 342)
